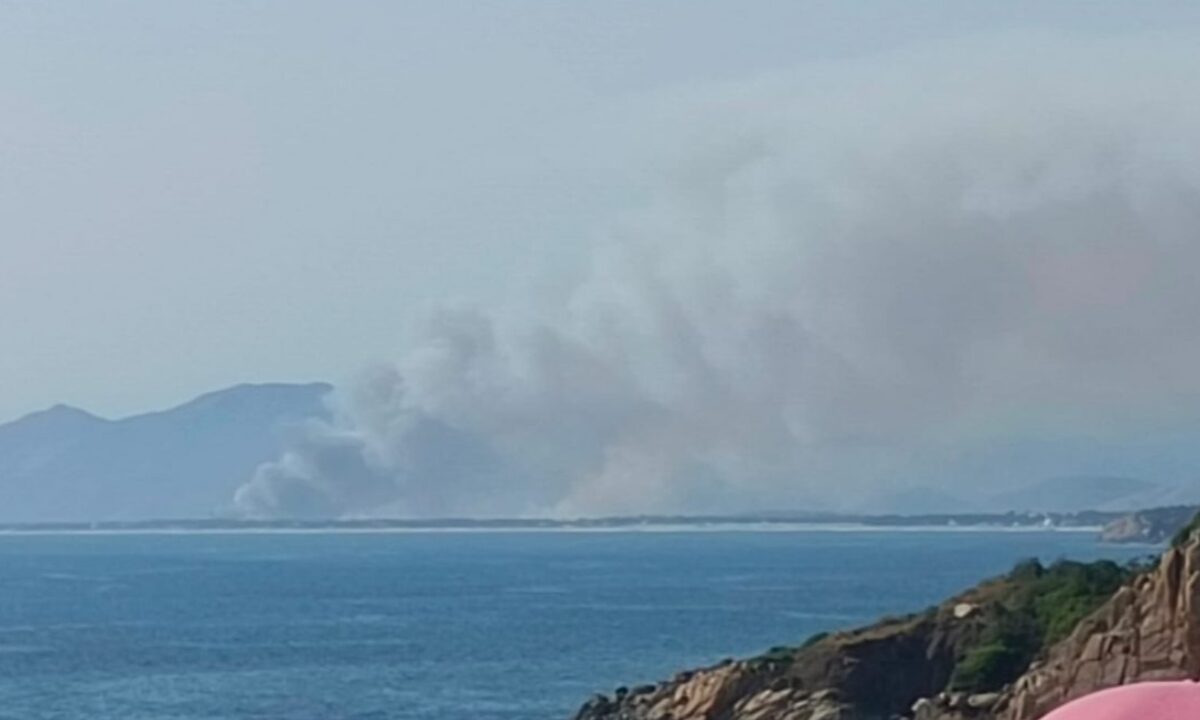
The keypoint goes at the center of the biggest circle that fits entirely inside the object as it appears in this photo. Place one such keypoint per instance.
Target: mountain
(66, 464)
(925, 500)
(1086, 492)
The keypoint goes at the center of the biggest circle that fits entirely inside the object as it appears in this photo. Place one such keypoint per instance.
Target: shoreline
(797, 528)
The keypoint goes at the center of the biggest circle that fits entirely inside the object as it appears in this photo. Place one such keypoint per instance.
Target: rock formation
(1148, 630)
(1155, 525)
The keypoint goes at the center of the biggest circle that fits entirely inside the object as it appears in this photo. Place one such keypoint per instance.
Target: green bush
(1070, 591)
(1027, 570)
(987, 667)
(1040, 607)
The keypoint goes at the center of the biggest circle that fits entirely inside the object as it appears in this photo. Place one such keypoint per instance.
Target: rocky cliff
(1149, 526)
(955, 661)
(1149, 630)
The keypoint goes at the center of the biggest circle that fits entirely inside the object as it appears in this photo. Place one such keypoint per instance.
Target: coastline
(797, 528)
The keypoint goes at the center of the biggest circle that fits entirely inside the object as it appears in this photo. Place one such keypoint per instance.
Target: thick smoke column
(849, 280)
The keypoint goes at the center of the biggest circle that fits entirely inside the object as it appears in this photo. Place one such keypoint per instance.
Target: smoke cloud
(847, 281)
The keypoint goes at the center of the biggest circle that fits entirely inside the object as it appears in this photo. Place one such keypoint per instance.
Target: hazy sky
(198, 194)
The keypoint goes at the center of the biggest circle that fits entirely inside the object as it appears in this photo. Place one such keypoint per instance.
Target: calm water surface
(487, 626)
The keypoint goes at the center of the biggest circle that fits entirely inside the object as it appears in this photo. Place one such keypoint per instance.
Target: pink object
(1144, 701)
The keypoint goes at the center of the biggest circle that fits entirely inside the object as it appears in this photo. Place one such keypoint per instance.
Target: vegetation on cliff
(1033, 608)
(1012, 648)
(972, 645)
(999, 628)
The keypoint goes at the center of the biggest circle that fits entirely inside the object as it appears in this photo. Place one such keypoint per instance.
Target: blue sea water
(416, 626)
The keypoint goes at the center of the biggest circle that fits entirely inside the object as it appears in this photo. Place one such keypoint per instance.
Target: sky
(579, 258)
(199, 194)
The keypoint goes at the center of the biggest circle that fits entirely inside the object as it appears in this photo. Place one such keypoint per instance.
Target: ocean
(445, 625)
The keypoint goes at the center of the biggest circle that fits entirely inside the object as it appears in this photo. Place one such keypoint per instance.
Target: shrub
(1069, 592)
(1039, 607)
(987, 667)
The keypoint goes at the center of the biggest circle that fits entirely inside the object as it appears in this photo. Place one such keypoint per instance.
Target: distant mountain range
(1065, 494)
(65, 464)
(1052, 495)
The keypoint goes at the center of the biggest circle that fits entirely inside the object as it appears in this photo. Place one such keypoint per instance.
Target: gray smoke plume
(849, 279)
